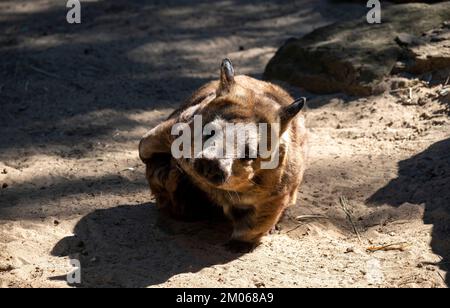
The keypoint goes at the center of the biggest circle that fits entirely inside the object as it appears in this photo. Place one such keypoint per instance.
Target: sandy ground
(75, 100)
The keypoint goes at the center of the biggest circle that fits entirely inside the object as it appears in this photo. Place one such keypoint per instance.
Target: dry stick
(305, 217)
(344, 204)
(51, 75)
(442, 277)
(295, 228)
(444, 92)
(406, 89)
(408, 281)
(396, 246)
(444, 89)
(437, 264)
(44, 72)
(312, 216)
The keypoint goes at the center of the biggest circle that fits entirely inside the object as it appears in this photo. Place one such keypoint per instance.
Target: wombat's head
(231, 130)
(237, 133)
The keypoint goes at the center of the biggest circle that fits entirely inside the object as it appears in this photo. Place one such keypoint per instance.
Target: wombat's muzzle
(211, 170)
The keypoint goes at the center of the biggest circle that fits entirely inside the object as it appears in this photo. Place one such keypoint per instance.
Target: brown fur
(252, 198)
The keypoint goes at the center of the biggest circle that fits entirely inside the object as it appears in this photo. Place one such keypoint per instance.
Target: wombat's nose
(211, 170)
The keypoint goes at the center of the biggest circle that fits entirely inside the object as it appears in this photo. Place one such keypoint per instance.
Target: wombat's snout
(211, 170)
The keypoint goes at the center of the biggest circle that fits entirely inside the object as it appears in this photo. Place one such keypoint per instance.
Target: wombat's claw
(236, 246)
(274, 230)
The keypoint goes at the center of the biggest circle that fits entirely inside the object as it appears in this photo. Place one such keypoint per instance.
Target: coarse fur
(253, 198)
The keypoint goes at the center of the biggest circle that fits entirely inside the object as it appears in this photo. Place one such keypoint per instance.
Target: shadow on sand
(135, 246)
(425, 179)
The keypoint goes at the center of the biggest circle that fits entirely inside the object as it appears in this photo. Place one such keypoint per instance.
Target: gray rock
(354, 56)
(406, 39)
(432, 54)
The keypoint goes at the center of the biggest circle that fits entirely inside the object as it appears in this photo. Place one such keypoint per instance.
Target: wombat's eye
(247, 159)
(206, 137)
(248, 155)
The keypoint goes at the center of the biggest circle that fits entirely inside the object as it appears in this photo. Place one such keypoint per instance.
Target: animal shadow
(136, 246)
(425, 179)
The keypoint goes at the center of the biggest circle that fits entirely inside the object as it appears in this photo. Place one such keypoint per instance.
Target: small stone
(4, 171)
(4, 186)
(405, 39)
(6, 268)
(438, 122)
(400, 65)
(430, 268)
(350, 250)
(444, 92)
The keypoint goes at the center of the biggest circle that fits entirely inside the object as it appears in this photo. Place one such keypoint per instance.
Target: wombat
(252, 184)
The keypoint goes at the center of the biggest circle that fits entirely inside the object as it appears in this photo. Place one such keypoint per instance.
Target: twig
(312, 216)
(344, 204)
(436, 264)
(396, 246)
(406, 89)
(444, 91)
(409, 280)
(442, 277)
(302, 218)
(36, 69)
(52, 75)
(295, 228)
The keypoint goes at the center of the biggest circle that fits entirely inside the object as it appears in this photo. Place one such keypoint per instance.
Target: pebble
(6, 268)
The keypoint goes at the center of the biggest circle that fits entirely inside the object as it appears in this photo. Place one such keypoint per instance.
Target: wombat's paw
(275, 230)
(236, 246)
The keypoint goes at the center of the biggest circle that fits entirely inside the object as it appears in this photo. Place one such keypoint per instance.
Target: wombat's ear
(287, 113)
(158, 140)
(226, 77)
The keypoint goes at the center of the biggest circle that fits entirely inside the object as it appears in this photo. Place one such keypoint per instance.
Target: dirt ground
(75, 100)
